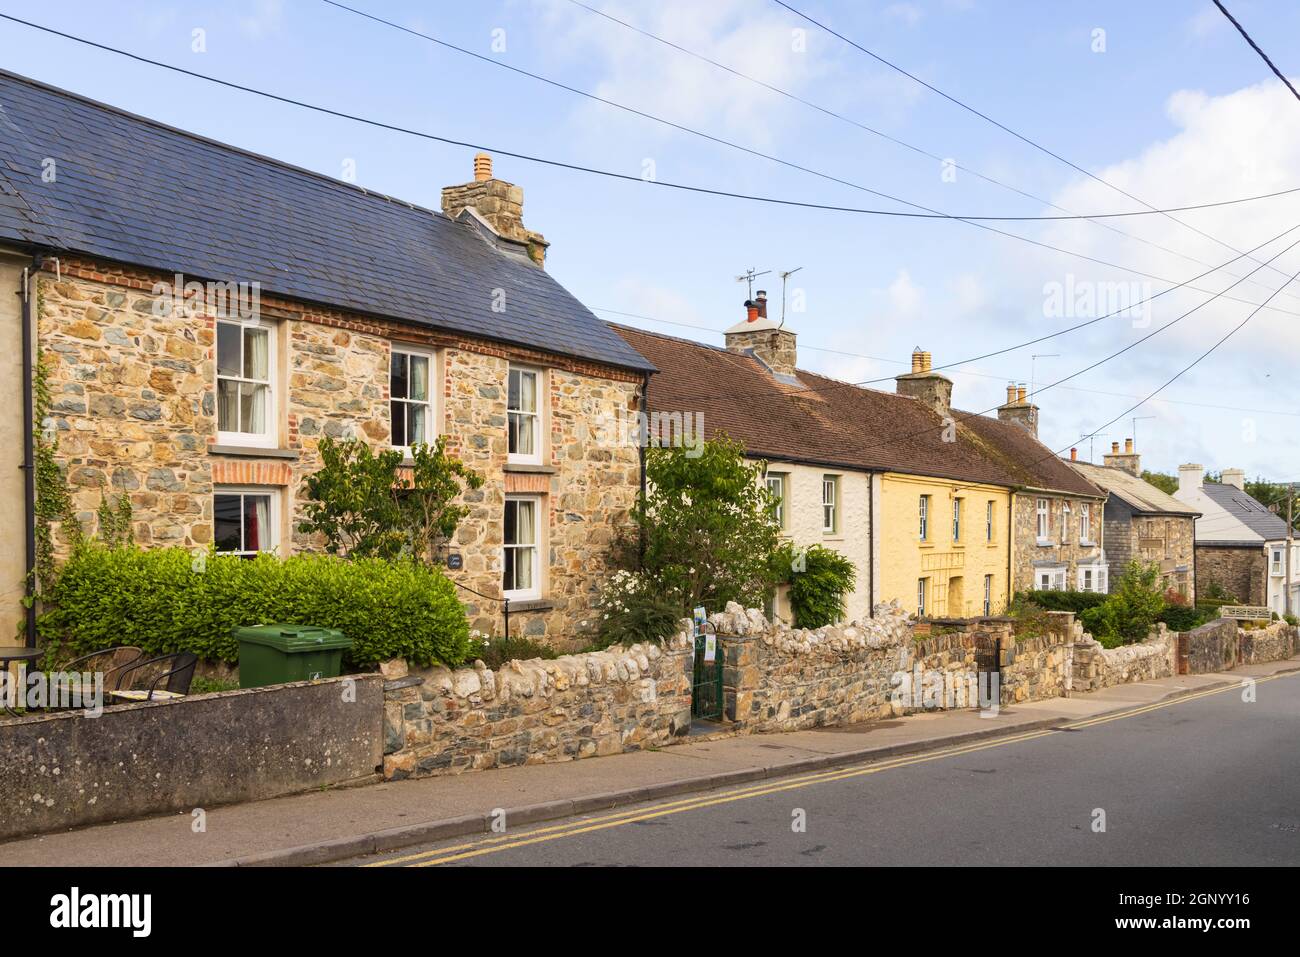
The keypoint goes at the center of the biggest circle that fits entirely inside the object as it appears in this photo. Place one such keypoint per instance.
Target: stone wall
(1097, 667)
(776, 678)
(1277, 642)
(1209, 648)
(134, 405)
(1241, 572)
(440, 721)
(70, 769)
(1037, 667)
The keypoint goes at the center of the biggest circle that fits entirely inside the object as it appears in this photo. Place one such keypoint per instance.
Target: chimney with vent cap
(498, 204)
(926, 385)
(1128, 460)
(1018, 409)
(767, 341)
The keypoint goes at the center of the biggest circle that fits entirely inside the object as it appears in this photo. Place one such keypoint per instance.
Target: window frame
(922, 588)
(539, 433)
(1044, 516)
(923, 510)
(1277, 561)
(273, 493)
(956, 520)
(270, 438)
(1085, 523)
(523, 594)
(408, 350)
(988, 595)
(781, 479)
(831, 482)
(988, 520)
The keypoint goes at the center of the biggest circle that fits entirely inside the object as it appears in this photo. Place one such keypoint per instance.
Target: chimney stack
(923, 383)
(1019, 409)
(1235, 477)
(758, 336)
(1190, 477)
(1128, 460)
(498, 204)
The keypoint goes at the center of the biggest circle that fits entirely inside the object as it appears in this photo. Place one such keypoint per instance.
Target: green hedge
(820, 585)
(1075, 601)
(164, 601)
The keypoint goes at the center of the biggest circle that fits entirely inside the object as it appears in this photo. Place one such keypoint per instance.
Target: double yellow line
(504, 842)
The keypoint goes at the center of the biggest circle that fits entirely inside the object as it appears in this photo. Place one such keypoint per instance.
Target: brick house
(207, 315)
(1143, 523)
(918, 495)
(1240, 545)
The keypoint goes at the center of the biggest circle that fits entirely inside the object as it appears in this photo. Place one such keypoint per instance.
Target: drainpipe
(871, 545)
(1011, 549)
(29, 452)
(643, 439)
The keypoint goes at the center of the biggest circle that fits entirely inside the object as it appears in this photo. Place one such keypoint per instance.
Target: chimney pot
(1011, 393)
(917, 360)
(761, 302)
(1021, 392)
(1128, 446)
(1114, 448)
(482, 167)
(1074, 455)
(751, 311)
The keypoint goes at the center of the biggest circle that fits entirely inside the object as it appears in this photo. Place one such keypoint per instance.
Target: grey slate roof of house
(1247, 510)
(1140, 494)
(137, 192)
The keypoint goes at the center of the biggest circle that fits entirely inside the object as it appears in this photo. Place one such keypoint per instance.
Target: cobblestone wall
(1275, 643)
(776, 678)
(440, 721)
(1097, 667)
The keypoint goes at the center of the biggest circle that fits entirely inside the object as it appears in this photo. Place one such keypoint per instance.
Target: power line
(968, 372)
(943, 426)
(1255, 46)
(926, 212)
(378, 124)
(875, 132)
(988, 119)
(1068, 329)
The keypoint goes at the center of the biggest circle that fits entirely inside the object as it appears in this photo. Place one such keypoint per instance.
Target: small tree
(367, 504)
(708, 525)
(821, 581)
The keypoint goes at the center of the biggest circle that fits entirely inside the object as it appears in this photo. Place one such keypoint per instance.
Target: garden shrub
(1129, 613)
(821, 580)
(634, 608)
(166, 600)
(1075, 601)
(495, 652)
(1185, 618)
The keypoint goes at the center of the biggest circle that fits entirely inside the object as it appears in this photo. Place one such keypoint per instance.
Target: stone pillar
(739, 676)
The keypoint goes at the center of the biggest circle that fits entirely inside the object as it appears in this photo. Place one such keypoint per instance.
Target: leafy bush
(164, 600)
(1129, 613)
(373, 504)
(1184, 618)
(821, 579)
(632, 608)
(707, 529)
(1075, 601)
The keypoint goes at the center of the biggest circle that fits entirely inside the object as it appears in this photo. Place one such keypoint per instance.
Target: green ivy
(821, 580)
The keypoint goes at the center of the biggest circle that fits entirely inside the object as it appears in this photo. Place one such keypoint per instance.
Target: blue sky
(1176, 109)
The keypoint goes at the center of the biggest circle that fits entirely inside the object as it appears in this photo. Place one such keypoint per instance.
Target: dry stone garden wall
(443, 721)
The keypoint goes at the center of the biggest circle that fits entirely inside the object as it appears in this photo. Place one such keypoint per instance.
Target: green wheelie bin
(275, 654)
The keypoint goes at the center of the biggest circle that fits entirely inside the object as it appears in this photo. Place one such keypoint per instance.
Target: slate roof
(1247, 510)
(1140, 494)
(137, 192)
(825, 422)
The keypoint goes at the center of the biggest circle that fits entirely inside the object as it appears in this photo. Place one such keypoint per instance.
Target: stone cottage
(207, 315)
(1057, 531)
(1143, 523)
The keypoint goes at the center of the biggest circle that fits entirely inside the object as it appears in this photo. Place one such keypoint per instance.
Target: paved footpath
(333, 825)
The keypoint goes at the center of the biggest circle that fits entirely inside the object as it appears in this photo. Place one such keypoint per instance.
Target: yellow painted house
(945, 546)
